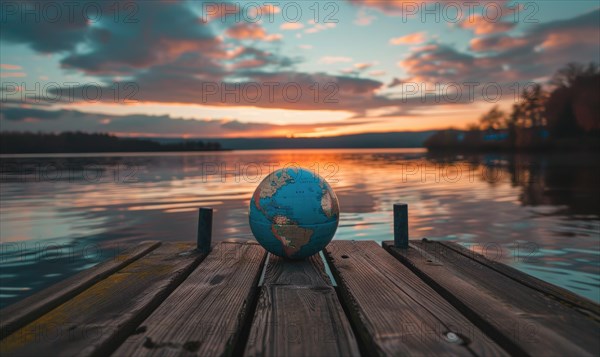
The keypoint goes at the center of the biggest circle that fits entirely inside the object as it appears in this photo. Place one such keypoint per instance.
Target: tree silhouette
(568, 75)
(494, 119)
(533, 106)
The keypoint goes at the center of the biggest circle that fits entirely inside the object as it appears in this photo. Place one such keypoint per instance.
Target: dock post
(204, 229)
(401, 225)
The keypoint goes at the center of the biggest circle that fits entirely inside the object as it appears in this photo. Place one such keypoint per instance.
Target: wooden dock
(357, 299)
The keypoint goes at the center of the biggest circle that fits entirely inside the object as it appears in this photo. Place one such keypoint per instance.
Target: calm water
(60, 215)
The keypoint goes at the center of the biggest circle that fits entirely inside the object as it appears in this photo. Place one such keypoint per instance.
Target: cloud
(377, 73)
(10, 67)
(21, 119)
(23, 23)
(12, 74)
(251, 31)
(253, 88)
(363, 18)
(482, 25)
(497, 43)
(508, 59)
(412, 39)
(292, 26)
(395, 82)
(363, 66)
(23, 114)
(162, 34)
(318, 27)
(334, 59)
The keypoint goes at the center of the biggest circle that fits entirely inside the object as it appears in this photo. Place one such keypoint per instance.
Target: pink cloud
(363, 66)
(12, 74)
(23, 119)
(251, 31)
(481, 25)
(412, 39)
(10, 67)
(292, 26)
(377, 73)
(334, 59)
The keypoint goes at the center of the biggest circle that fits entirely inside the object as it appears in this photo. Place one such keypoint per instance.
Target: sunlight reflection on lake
(62, 214)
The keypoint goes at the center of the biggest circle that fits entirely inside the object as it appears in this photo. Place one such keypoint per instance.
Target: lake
(61, 214)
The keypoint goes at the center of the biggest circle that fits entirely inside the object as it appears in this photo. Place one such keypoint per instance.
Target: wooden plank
(395, 312)
(204, 316)
(21, 313)
(581, 304)
(309, 272)
(539, 318)
(299, 314)
(98, 319)
(509, 326)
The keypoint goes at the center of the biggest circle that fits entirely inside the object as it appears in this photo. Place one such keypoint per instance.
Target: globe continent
(294, 213)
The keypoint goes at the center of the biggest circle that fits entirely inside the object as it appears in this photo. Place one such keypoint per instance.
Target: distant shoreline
(78, 142)
(177, 153)
(38, 143)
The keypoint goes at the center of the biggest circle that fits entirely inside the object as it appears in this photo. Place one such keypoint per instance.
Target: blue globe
(294, 213)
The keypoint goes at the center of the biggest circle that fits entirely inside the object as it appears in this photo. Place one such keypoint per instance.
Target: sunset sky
(245, 69)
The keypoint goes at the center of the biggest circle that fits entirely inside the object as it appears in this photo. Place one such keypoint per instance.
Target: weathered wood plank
(506, 324)
(581, 304)
(205, 314)
(27, 310)
(395, 312)
(519, 316)
(309, 272)
(98, 319)
(299, 314)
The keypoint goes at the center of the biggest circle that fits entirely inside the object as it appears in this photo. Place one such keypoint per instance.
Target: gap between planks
(506, 314)
(98, 319)
(21, 313)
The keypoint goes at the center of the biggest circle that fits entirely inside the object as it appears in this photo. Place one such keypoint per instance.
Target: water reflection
(539, 213)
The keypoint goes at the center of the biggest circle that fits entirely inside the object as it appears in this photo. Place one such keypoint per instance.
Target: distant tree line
(564, 114)
(79, 142)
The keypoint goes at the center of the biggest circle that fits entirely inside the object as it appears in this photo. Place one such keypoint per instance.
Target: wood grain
(204, 316)
(299, 314)
(23, 312)
(514, 314)
(98, 319)
(395, 312)
(581, 304)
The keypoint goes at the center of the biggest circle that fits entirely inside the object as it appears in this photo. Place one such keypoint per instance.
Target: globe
(294, 213)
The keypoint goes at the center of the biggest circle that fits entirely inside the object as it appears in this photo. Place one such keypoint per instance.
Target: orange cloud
(10, 67)
(412, 39)
(483, 26)
(292, 26)
(362, 66)
(12, 74)
(244, 31)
